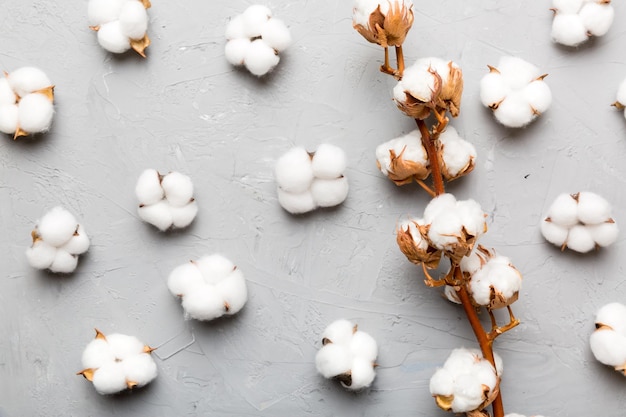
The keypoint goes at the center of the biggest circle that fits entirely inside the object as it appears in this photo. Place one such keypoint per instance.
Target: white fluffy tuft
(112, 38)
(35, 113)
(260, 58)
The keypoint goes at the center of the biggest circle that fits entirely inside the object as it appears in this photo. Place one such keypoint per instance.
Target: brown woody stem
(399, 62)
(431, 150)
(482, 337)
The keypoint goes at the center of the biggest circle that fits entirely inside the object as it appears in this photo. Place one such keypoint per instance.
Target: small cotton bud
(329, 193)
(260, 58)
(276, 35)
(329, 162)
(112, 38)
(255, 18)
(236, 50)
(35, 113)
(294, 171)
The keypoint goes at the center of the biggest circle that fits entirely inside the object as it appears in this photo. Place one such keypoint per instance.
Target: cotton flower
(467, 382)
(166, 201)
(347, 355)
(310, 180)
(430, 84)
(121, 24)
(575, 21)
(117, 362)
(580, 222)
(209, 288)
(26, 102)
(254, 40)
(385, 22)
(58, 239)
(620, 103)
(515, 91)
(493, 280)
(608, 342)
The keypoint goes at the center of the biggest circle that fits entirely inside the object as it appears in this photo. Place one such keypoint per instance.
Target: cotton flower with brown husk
(431, 85)
(386, 23)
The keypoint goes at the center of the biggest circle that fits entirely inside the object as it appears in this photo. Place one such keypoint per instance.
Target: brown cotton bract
(389, 30)
(430, 256)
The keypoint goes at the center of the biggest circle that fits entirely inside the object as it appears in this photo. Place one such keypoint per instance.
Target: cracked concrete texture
(184, 108)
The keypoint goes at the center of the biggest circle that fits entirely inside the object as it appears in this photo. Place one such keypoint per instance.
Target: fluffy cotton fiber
(26, 102)
(166, 201)
(58, 239)
(209, 288)
(466, 382)
(608, 342)
(254, 39)
(348, 355)
(515, 91)
(576, 21)
(307, 181)
(117, 362)
(121, 24)
(581, 222)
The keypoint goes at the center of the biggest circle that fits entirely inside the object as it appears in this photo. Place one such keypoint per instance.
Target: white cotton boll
(363, 8)
(517, 73)
(564, 210)
(35, 113)
(294, 171)
(612, 315)
(233, 291)
(26, 80)
(418, 82)
(468, 393)
(96, 354)
(538, 95)
(329, 162)
(112, 38)
(64, 262)
(457, 155)
(260, 58)
(485, 373)
(158, 215)
(597, 18)
(276, 34)
(41, 255)
(178, 188)
(554, 233)
(579, 239)
(78, 243)
(183, 216)
(592, 209)
(124, 346)
(104, 11)
(339, 332)
(57, 226)
(362, 374)
(133, 19)
(442, 383)
(472, 262)
(438, 204)
(110, 378)
(7, 96)
(236, 50)
(461, 360)
(363, 346)
(568, 29)
(148, 188)
(621, 93)
(255, 18)
(514, 111)
(493, 89)
(215, 268)
(472, 216)
(604, 234)
(332, 360)
(9, 116)
(567, 6)
(329, 193)
(608, 347)
(236, 28)
(445, 230)
(440, 66)
(140, 369)
(297, 203)
(204, 304)
(184, 279)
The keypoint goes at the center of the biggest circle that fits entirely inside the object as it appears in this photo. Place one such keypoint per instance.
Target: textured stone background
(186, 109)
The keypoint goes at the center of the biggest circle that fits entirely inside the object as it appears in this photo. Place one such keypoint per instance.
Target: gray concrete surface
(184, 108)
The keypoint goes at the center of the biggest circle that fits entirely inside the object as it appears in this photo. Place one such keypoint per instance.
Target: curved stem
(482, 337)
(431, 150)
